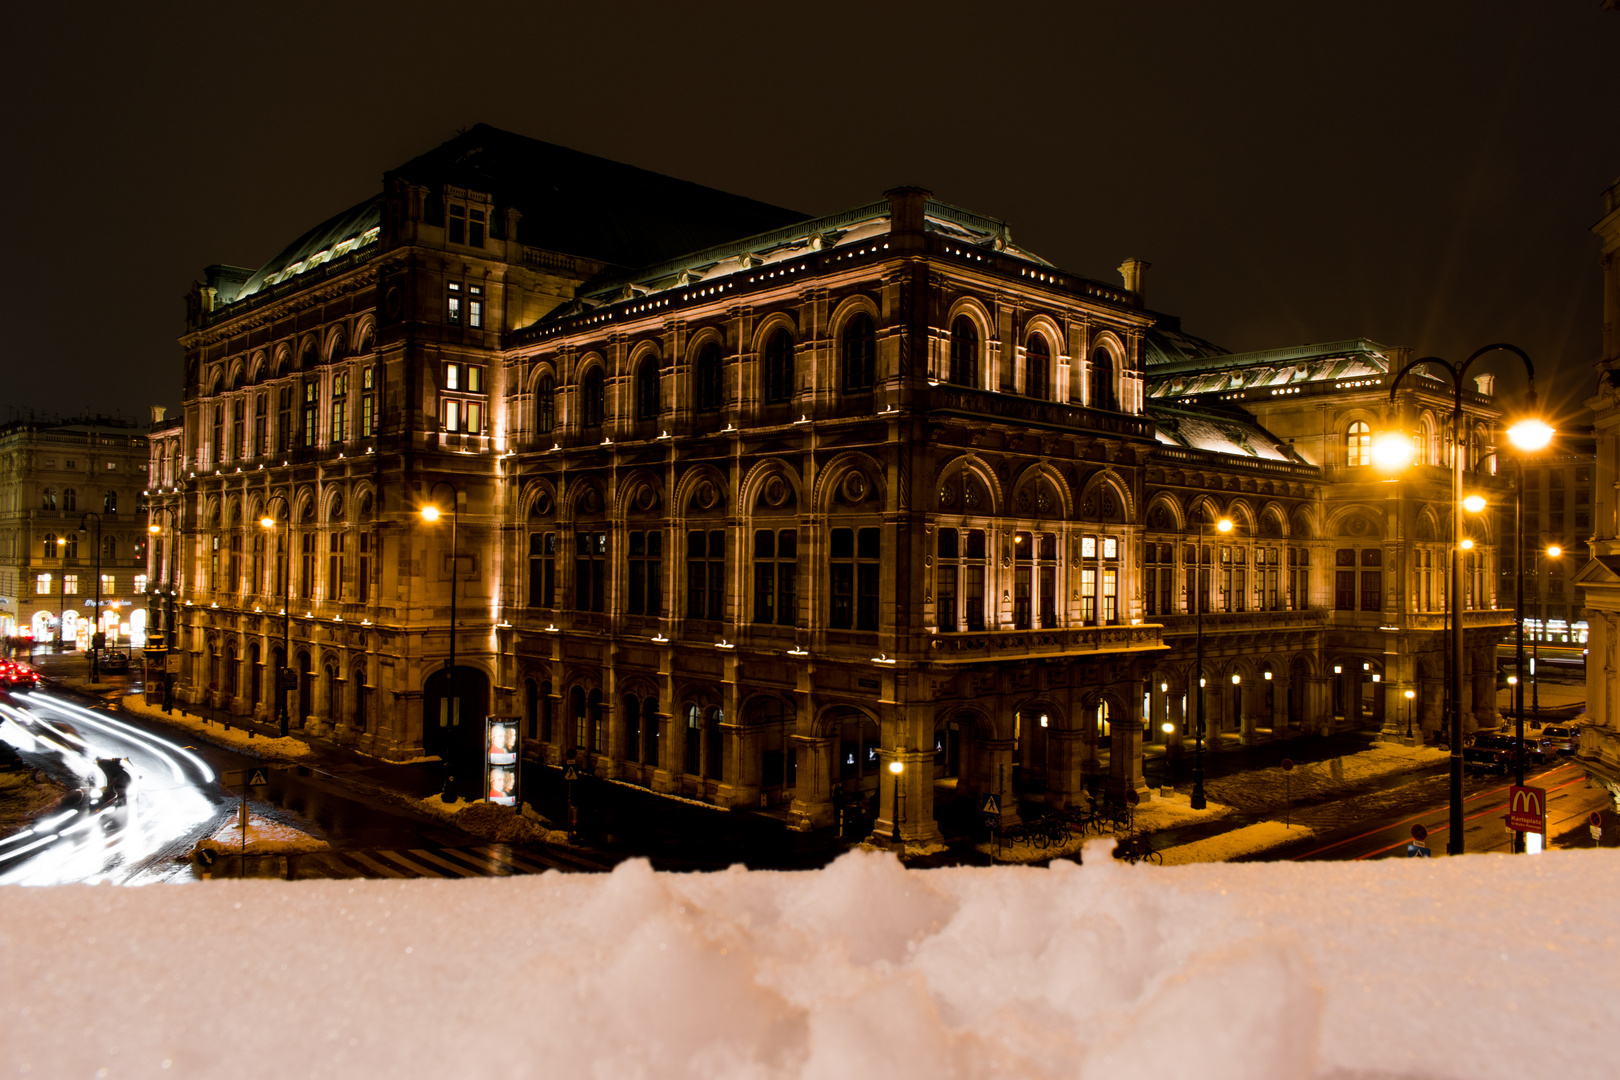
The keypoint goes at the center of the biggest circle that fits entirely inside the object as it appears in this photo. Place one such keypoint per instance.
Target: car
(15, 676)
(114, 661)
(1560, 739)
(1495, 753)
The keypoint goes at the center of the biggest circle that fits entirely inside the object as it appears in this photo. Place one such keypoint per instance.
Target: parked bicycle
(1135, 849)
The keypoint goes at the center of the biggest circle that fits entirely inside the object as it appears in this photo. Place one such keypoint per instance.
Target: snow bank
(1481, 967)
(1262, 836)
(236, 738)
(264, 837)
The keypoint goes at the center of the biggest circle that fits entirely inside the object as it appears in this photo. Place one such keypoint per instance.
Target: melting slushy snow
(1479, 967)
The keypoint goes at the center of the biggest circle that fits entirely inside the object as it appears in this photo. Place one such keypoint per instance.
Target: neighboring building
(1560, 487)
(58, 480)
(1600, 578)
(752, 505)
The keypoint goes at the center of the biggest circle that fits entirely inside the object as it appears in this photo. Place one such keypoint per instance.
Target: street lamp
(1454, 839)
(95, 632)
(896, 766)
(269, 522)
(450, 710)
(1528, 436)
(169, 636)
(1410, 694)
(1224, 525)
(61, 587)
(1553, 551)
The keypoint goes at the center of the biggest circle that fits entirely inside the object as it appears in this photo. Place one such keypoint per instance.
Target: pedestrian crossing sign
(258, 777)
(992, 805)
(569, 772)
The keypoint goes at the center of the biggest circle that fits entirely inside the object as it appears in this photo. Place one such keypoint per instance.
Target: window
(1372, 580)
(779, 366)
(334, 567)
(261, 424)
(467, 226)
(776, 567)
(42, 584)
(464, 416)
(646, 573)
(47, 499)
(705, 574)
(340, 406)
(545, 405)
(233, 575)
(1038, 368)
(648, 404)
(959, 583)
(592, 398)
(70, 584)
(109, 502)
(218, 445)
(1099, 579)
(1358, 444)
(707, 374)
(140, 583)
(362, 577)
(71, 545)
(239, 446)
(1344, 581)
(1102, 380)
(855, 555)
(475, 304)
(255, 582)
(590, 571)
(312, 408)
(543, 570)
(860, 354)
(368, 402)
(1158, 578)
(306, 576)
(70, 498)
(1267, 595)
(453, 304)
(284, 420)
(964, 352)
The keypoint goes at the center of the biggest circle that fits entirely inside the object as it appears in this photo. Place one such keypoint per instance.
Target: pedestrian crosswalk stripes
(485, 860)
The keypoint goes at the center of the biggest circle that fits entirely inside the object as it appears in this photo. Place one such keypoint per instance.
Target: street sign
(235, 778)
(569, 772)
(1419, 832)
(1132, 798)
(991, 804)
(1594, 825)
(1527, 809)
(1287, 764)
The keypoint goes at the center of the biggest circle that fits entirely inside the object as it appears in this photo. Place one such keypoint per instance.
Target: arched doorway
(1299, 673)
(255, 676)
(453, 728)
(332, 692)
(768, 723)
(306, 690)
(1032, 748)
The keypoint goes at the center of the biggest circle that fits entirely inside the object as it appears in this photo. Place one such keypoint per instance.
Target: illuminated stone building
(757, 506)
(55, 477)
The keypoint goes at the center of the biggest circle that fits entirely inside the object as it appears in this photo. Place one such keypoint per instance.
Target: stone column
(1319, 713)
(741, 786)
(1065, 770)
(1125, 758)
(1487, 714)
(671, 740)
(1241, 695)
(1175, 745)
(812, 792)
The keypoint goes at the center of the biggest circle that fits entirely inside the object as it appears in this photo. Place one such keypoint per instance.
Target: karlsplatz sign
(1527, 809)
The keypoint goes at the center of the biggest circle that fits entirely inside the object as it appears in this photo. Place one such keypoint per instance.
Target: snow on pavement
(1480, 966)
(234, 738)
(1261, 836)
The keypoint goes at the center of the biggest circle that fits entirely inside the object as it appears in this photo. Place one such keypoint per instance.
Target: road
(1569, 801)
(175, 799)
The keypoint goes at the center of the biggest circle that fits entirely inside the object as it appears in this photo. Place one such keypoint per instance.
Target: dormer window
(464, 304)
(466, 226)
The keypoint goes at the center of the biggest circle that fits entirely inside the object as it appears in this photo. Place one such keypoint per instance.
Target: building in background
(57, 479)
(1560, 496)
(756, 509)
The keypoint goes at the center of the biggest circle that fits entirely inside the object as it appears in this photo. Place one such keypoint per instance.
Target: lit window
(140, 583)
(452, 314)
(1358, 444)
(70, 584)
(42, 584)
(475, 307)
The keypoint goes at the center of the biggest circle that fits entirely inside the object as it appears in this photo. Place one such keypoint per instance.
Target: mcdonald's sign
(1527, 809)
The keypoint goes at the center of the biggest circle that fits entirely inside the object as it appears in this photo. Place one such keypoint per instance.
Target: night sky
(1422, 174)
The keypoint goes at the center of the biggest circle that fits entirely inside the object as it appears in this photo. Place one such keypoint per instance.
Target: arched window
(576, 697)
(860, 354)
(1358, 444)
(592, 398)
(70, 498)
(964, 352)
(632, 728)
(109, 548)
(649, 728)
(1102, 380)
(545, 405)
(1038, 368)
(545, 711)
(717, 745)
(109, 502)
(694, 739)
(648, 398)
(49, 546)
(47, 499)
(707, 375)
(779, 366)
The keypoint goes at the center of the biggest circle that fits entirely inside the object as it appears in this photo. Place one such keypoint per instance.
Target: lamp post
(173, 586)
(1410, 694)
(1528, 436)
(450, 711)
(1454, 838)
(1224, 525)
(269, 522)
(1552, 551)
(95, 631)
(61, 587)
(896, 767)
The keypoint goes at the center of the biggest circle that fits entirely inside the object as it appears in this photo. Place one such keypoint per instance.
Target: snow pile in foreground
(1481, 967)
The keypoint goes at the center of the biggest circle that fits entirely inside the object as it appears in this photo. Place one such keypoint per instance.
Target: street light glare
(268, 522)
(1554, 550)
(1474, 503)
(1224, 525)
(153, 529)
(1392, 449)
(430, 513)
(1467, 544)
(1531, 434)
(897, 767)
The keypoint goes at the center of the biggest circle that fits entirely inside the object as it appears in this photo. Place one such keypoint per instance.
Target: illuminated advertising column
(501, 760)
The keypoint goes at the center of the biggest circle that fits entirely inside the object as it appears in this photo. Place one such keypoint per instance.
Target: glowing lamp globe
(1531, 434)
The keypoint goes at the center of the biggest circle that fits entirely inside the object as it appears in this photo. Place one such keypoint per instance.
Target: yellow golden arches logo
(1525, 802)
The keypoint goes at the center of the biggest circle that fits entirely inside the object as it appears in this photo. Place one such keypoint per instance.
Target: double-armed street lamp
(169, 636)
(1528, 436)
(897, 767)
(1395, 448)
(269, 522)
(1201, 597)
(450, 714)
(61, 588)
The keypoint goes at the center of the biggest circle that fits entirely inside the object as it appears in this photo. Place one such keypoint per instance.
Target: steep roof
(571, 203)
(1224, 432)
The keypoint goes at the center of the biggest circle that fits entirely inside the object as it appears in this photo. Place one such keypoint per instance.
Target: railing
(1228, 621)
(970, 648)
(1025, 410)
(1438, 620)
(1210, 457)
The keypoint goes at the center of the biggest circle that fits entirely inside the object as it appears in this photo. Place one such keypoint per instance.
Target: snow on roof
(1217, 433)
(1483, 967)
